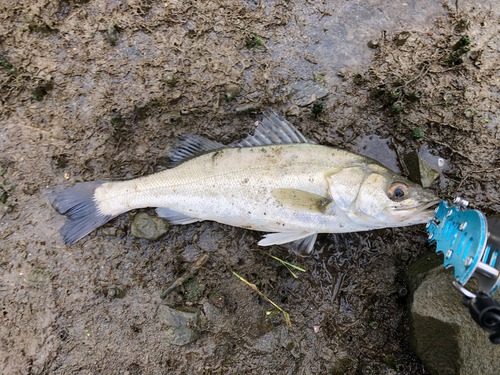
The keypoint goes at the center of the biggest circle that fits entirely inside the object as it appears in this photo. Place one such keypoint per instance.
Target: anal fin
(175, 217)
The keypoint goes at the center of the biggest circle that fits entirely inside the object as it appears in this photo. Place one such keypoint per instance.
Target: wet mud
(100, 90)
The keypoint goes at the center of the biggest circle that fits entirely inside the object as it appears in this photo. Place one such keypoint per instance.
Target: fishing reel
(471, 245)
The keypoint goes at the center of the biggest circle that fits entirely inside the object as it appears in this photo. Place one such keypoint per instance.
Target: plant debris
(286, 264)
(253, 40)
(317, 108)
(285, 314)
(200, 262)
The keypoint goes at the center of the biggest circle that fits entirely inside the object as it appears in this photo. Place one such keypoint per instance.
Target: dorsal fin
(190, 146)
(273, 129)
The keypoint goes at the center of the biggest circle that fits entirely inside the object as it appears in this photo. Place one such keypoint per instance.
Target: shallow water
(335, 35)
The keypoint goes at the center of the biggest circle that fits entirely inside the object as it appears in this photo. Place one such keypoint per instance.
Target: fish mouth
(420, 210)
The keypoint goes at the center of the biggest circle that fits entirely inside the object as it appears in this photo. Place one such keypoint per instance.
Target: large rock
(442, 332)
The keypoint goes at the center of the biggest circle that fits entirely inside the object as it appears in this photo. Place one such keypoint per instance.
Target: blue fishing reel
(471, 245)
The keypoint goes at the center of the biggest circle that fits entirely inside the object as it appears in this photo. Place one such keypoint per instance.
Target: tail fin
(80, 207)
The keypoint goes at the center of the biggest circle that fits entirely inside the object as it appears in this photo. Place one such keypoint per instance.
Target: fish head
(372, 196)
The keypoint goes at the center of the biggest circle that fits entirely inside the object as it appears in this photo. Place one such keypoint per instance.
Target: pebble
(307, 92)
(181, 325)
(148, 227)
(419, 171)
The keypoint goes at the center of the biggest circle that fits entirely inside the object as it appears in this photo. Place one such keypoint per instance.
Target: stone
(418, 170)
(109, 231)
(181, 325)
(148, 227)
(442, 332)
(279, 337)
(293, 110)
(247, 108)
(306, 92)
(269, 342)
(39, 277)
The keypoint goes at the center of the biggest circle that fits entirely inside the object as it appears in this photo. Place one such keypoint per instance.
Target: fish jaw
(421, 214)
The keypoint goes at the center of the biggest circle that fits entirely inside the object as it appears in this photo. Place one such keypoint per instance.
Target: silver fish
(274, 181)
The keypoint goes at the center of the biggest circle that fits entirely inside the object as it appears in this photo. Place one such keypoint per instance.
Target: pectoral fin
(327, 206)
(300, 200)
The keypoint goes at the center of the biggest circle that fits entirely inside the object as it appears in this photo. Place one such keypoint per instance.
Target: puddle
(332, 36)
(377, 149)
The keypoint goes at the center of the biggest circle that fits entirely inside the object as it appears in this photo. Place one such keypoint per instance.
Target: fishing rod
(470, 243)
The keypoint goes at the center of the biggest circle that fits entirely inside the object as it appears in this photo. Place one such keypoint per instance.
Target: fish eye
(398, 190)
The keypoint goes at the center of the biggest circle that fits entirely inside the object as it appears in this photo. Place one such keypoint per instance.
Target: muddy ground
(86, 93)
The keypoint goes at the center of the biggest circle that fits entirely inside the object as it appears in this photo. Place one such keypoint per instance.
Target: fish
(276, 181)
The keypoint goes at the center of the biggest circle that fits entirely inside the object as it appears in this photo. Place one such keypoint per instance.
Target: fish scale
(206, 186)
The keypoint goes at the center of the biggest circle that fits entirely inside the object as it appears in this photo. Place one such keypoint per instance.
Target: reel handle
(486, 312)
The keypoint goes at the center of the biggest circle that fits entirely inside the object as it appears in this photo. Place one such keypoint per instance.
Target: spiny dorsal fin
(273, 129)
(191, 146)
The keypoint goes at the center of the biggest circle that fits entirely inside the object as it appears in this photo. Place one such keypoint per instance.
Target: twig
(200, 262)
